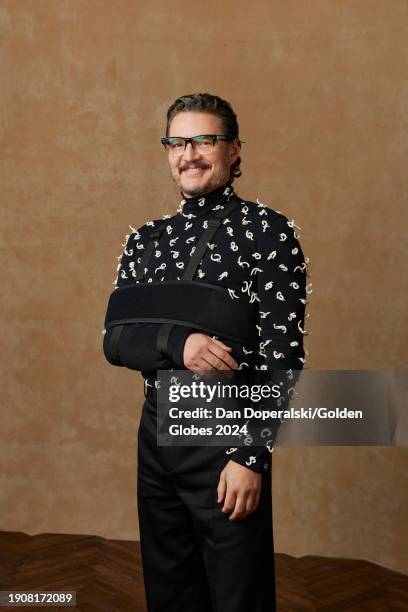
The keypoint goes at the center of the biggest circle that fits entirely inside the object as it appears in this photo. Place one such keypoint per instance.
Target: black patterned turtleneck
(255, 253)
(201, 204)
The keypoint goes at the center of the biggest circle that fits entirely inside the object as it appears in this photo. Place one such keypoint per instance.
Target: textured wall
(321, 94)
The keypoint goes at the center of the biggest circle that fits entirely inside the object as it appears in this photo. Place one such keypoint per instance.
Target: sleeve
(281, 289)
(136, 346)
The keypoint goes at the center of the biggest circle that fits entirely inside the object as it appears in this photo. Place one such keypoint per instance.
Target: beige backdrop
(321, 93)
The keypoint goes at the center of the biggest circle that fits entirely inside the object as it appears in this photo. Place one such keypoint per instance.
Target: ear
(234, 149)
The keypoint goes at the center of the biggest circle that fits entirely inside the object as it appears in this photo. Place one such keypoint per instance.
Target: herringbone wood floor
(107, 576)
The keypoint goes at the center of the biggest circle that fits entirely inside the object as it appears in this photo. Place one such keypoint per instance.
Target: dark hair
(207, 103)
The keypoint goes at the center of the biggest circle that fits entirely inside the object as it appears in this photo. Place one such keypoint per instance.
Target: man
(205, 512)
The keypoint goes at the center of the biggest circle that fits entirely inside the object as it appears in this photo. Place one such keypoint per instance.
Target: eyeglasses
(203, 144)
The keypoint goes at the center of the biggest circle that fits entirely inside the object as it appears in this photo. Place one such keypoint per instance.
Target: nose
(190, 153)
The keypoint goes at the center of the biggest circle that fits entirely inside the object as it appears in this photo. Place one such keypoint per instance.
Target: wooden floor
(107, 576)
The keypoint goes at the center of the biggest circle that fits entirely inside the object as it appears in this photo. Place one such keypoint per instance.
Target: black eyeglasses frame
(165, 140)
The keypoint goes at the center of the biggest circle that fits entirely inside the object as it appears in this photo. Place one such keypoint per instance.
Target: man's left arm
(281, 289)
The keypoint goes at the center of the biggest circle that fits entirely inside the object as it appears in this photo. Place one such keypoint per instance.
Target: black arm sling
(207, 307)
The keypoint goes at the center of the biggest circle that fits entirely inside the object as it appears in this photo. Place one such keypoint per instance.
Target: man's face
(197, 174)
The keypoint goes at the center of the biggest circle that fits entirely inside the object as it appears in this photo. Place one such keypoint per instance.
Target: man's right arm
(136, 347)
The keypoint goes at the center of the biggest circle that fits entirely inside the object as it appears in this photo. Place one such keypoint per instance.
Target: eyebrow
(196, 136)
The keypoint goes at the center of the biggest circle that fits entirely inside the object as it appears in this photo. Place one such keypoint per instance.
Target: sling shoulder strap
(214, 222)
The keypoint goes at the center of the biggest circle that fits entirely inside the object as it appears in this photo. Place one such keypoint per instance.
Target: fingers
(222, 488)
(219, 363)
(241, 490)
(230, 499)
(251, 503)
(239, 505)
(239, 510)
(209, 360)
(224, 346)
(257, 498)
(224, 358)
(202, 364)
(244, 505)
(204, 353)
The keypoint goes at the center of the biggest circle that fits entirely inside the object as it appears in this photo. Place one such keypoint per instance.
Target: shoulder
(142, 234)
(264, 217)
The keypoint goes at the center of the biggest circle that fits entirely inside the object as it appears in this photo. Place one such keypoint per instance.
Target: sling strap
(213, 224)
(163, 338)
(114, 344)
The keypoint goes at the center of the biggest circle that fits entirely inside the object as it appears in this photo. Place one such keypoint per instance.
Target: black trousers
(194, 558)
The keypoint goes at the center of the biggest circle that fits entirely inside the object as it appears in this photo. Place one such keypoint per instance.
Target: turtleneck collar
(206, 202)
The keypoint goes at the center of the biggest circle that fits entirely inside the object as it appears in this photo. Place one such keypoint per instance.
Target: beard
(211, 183)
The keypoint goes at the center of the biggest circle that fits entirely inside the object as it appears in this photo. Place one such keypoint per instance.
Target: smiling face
(197, 174)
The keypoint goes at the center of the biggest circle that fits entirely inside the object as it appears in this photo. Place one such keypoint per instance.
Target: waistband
(150, 393)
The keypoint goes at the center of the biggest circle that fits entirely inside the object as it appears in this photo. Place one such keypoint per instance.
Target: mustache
(191, 167)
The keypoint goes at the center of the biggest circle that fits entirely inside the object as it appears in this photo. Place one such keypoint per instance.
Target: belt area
(150, 393)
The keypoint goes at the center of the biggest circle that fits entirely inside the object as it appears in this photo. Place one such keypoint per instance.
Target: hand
(204, 353)
(240, 489)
